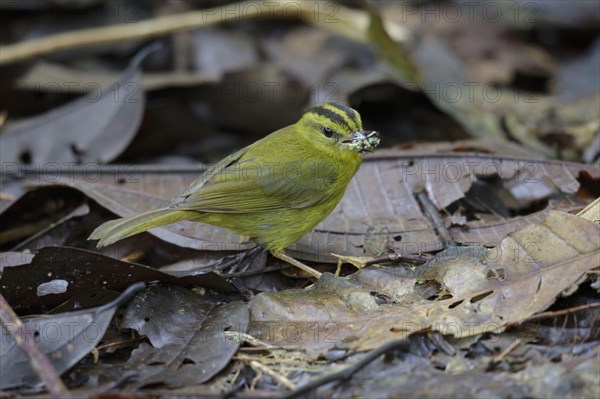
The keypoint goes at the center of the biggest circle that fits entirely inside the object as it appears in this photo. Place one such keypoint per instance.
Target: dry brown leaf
(187, 334)
(557, 127)
(379, 212)
(93, 128)
(592, 211)
(507, 284)
(147, 192)
(380, 198)
(541, 122)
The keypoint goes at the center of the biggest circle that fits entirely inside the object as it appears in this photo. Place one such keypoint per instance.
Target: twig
(506, 351)
(562, 312)
(7, 197)
(95, 355)
(281, 379)
(133, 256)
(335, 17)
(434, 215)
(79, 211)
(53, 78)
(350, 370)
(393, 258)
(119, 342)
(249, 339)
(38, 360)
(440, 342)
(361, 262)
(23, 231)
(305, 268)
(117, 170)
(251, 349)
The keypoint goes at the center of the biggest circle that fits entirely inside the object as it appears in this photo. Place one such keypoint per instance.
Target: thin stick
(113, 170)
(562, 312)
(396, 258)
(282, 380)
(507, 350)
(434, 215)
(298, 264)
(348, 371)
(3, 116)
(7, 197)
(40, 363)
(110, 34)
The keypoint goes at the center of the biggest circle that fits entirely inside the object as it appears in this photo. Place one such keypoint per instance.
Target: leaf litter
(381, 194)
(517, 255)
(66, 338)
(83, 269)
(110, 116)
(188, 337)
(488, 289)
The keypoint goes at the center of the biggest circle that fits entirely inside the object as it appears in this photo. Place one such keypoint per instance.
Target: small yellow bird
(274, 190)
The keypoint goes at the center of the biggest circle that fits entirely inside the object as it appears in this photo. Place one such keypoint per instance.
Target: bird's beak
(362, 142)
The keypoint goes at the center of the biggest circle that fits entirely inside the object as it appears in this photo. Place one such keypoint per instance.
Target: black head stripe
(348, 111)
(332, 116)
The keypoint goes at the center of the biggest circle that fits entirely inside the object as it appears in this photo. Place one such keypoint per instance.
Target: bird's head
(337, 125)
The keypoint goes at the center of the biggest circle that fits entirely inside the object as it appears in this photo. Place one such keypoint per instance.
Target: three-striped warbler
(274, 190)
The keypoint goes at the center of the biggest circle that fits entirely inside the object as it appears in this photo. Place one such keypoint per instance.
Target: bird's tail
(115, 230)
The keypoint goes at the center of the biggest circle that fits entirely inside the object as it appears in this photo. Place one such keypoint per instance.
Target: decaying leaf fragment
(187, 333)
(592, 211)
(489, 289)
(378, 212)
(66, 338)
(82, 269)
(94, 128)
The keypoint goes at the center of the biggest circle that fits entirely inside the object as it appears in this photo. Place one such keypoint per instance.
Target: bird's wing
(240, 184)
(207, 175)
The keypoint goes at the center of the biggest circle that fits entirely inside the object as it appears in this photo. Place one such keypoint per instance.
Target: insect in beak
(363, 141)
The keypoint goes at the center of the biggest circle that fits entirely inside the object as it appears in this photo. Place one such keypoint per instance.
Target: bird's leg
(298, 264)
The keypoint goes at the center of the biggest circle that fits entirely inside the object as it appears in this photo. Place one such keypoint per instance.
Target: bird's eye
(327, 131)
